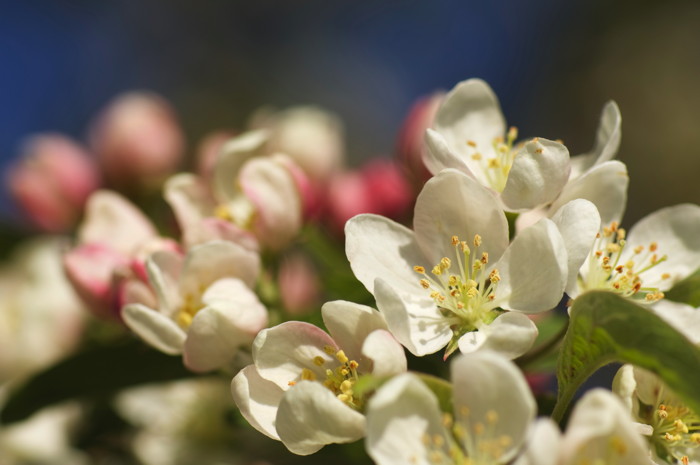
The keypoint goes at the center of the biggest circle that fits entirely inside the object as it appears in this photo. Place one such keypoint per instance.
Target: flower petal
(578, 222)
(399, 416)
(415, 322)
(164, 270)
(470, 113)
(452, 203)
(511, 335)
(378, 247)
(111, 219)
(542, 447)
(605, 185)
(684, 318)
(350, 323)
(257, 399)
(438, 156)
(191, 202)
(241, 301)
(214, 260)
(491, 390)
(155, 328)
(540, 171)
(233, 154)
(310, 416)
(271, 188)
(387, 355)
(607, 141)
(283, 351)
(533, 270)
(675, 230)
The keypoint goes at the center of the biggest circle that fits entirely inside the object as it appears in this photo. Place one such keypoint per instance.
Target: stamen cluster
(496, 168)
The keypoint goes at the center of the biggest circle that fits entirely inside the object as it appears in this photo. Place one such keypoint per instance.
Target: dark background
(553, 64)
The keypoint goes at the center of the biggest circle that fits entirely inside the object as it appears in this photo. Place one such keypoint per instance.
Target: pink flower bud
(52, 180)
(388, 188)
(347, 196)
(137, 139)
(410, 146)
(298, 284)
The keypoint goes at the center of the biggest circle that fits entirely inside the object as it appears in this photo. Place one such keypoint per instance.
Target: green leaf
(686, 291)
(605, 327)
(97, 371)
(441, 388)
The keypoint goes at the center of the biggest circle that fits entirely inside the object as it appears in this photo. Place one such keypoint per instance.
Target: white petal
(675, 230)
(511, 335)
(415, 322)
(164, 270)
(439, 156)
(155, 328)
(450, 204)
(578, 222)
(350, 323)
(542, 446)
(282, 352)
(310, 416)
(596, 419)
(486, 384)
(214, 260)
(470, 112)
(684, 318)
(472, 341)
(378, 247)
(191, 202)
(257, 399)
(387, 355)
(399, 416)
(249, 314)
(273, 192)
(539, 172)
(112, 219)
(607, 141)
(533, 270)
(624, 385)
(605, 185)
(232, 156)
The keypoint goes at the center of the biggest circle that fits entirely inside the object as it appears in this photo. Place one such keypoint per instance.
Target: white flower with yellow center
(450, 280)
(492, 413)
(657, 252)
(469, 134)
(599, 432)
(206, 308)
(300, 389)
(255, 196)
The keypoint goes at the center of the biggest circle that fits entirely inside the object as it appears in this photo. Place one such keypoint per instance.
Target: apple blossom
(493, 409)
(206, 308)
(450, 280)
(300, 389)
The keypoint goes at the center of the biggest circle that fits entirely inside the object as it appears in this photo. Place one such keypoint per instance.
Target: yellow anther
(505, 441)
(477, 265)
(478, 428)
(455, 240)
(223, 212)
(346, 387)
(618, 445)
(612, 248)
(452, 280)
(665, 276)
(344, 398)
(341, 357)
(653, 246)
(476, 157)
(630, 264)
(471, 143)
(621, 234)
(492, 417)
(472, 292)
(291, 383)
(330, 350)
(638, 249)
(695, 437)
(485, 258)
(539, 150)
(494, 276)
(437, 270)
(464, 411)
(477, 240)
(419, 269)
(464, 247)
(680, 426)
(445, 263)
(184, 319)
(308, 375)
(319, 361)
(685, 460)
(353, 365)
(494, 163)
(447, 420)
(438, 440)
(512, 133)
(425, 284)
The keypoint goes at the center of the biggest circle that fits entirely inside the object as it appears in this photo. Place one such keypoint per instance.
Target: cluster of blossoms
(505, 234)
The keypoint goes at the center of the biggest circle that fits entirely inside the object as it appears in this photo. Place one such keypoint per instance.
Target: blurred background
(553, 65)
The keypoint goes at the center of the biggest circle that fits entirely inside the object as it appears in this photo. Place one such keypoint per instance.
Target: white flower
(449, 280)
(206, 308)
(493, 410)
(300, 389)
(470, 135)
(599, 431)
(661, 249)
(255, 197)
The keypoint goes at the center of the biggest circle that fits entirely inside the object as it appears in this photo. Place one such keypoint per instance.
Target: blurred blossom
(137, 139)
(41, 318)
(299, 284)
(208, 151)
(410, 146)
(107, 267)
(312, 137)
(52, 180)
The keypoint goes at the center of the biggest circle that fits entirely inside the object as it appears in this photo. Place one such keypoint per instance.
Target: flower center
(607, 271)
(339, 380)
(239, 211)
(676, 429)
(190, 306)
(463, 289)
(496, 168)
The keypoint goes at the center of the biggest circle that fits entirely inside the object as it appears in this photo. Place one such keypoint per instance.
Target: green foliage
(687, 291)
(605, 327)
(94, 372)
